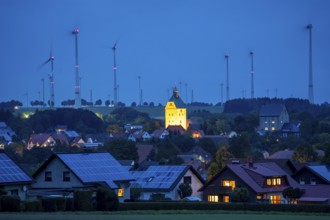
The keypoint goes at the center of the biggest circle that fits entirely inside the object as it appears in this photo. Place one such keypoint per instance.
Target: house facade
(264, 182)
(13, 179)
(62, 174)
(165, 180)
(315, 181)
(272, 117)
(176, 112)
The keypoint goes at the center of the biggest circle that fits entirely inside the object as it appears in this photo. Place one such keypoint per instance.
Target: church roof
(176, 99)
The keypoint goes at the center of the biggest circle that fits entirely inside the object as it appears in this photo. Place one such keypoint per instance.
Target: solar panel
(322, 170)
(158, 177)
(96, 167)
(10, 172)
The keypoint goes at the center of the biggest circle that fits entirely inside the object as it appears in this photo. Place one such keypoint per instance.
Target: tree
(135, 191)
(114, 129)
(240, 146)
(98, 102)
(221, 158)
(212, 170)
(122, 149)
(107, 103)
(291, 194)
(304, 153)
(184, 190)
(239, 195)
(106, 200)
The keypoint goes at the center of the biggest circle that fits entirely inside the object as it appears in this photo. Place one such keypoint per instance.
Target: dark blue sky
(165, 42)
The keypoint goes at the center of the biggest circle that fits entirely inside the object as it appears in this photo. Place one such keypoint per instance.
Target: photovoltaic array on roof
(10, 172)
(322, 170)
(158, 177)
(96, 167)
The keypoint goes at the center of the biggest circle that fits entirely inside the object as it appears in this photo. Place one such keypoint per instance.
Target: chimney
(250, 161)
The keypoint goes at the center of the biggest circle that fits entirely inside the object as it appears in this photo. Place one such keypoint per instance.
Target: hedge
(32, 206)
(83, 200)
(222, 206)
(10, 203)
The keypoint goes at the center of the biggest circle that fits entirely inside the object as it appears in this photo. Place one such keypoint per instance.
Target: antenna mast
(115, 95)
(310, 80)
(227, 80)
(77, 102)
(252, 73)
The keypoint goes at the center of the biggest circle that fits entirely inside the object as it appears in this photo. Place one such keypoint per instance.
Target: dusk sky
(165, 42)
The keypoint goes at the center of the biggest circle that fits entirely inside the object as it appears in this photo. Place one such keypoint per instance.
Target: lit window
(275, 199)
(273, 181)
(213, 198)
(229, 183)
(225, 198)
(273, 128)
(120, 192)
(259, 196)
(273, 122)
(48, 176)
(266, 128)
(66, 176)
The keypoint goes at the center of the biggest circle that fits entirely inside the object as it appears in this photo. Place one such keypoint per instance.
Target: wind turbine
(310, 74)
(115, 87)
(227, 77)
(252, 72)
(77, 102)
(51, 78)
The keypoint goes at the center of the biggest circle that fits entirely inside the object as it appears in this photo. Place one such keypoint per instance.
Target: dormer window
(273, 181)
(302, 181)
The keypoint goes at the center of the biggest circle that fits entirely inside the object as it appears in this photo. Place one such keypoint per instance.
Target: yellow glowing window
(212, 198)
(120, 192)
(275, 199)
(228, 183)
(259, 196)
(273, 129)
(273, 181)
(225, 198)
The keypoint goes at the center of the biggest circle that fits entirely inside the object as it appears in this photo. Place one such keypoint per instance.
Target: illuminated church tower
(175, 111)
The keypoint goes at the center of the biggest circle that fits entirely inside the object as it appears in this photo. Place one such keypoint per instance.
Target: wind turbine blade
(43, 64)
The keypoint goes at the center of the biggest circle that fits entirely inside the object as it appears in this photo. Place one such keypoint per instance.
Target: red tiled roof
(39, 138)
(143, 151)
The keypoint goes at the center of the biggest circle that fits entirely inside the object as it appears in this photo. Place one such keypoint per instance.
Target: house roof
(253, 176)
(176, 99)
(39, 138)
(270, 110)
(315, 192)
(144, 151)
(162, 178)
(321, 170)
(176, 128)
(92, 167)
(287, 154)
(11, 173)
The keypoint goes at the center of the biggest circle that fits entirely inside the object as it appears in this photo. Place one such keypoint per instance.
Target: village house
(13, 179)
(315, 181)
(265, 182)
(165, 180)
(62, 174)
(272, 117)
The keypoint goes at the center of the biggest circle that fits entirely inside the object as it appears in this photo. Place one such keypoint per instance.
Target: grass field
(165, 215)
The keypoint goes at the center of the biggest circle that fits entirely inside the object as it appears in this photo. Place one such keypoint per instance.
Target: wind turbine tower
(140, 91)
(310, 75)
(227, 77)
(115, 95)
(77, 102)
(252, 73)
(51, 80)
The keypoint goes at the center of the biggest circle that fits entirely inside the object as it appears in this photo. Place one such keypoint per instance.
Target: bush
(69, 205)
(49, 204)
(83, 200)
(32, 206)
(158, 197)
(10, 203)
(106, 200)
